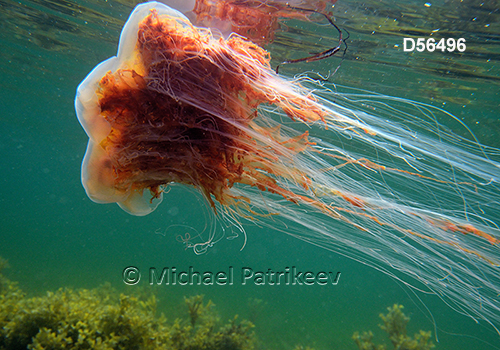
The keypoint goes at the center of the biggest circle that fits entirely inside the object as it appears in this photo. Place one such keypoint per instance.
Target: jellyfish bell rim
(130, 29)
(136, 202)
(87, 102)
(140, 203)
(95, 187)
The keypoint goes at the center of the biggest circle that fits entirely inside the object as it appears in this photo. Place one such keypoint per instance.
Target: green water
(54, 236)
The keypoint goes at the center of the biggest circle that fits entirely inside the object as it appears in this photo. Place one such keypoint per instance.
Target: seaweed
(200, 332)
(395, 322)
(104, 319)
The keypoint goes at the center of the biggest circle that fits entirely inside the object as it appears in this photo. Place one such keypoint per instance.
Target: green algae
(395, 322)
(104, 319)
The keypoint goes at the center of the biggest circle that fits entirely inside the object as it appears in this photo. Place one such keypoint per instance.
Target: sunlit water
(54, 236)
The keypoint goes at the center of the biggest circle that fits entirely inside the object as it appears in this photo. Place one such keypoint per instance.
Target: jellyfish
(255, 20)
(372, 177)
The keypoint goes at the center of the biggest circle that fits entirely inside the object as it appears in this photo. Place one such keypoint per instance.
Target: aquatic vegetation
(200, 334)
(103, 319)
(83, 319)
(395, 322)
(301, 347)
(197, 309)
(256, 307)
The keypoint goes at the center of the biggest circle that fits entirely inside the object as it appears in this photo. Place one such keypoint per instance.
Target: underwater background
(53, 236)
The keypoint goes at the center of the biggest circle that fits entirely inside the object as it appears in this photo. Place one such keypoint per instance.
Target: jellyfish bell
(391, 189)
(98, 176)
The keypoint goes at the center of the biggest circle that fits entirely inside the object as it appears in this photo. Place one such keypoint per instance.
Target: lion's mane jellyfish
(179, 106)
(254, 19)
(257, 20)
(371, 177)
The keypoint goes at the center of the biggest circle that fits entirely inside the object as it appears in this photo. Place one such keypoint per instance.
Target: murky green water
(54, 236)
